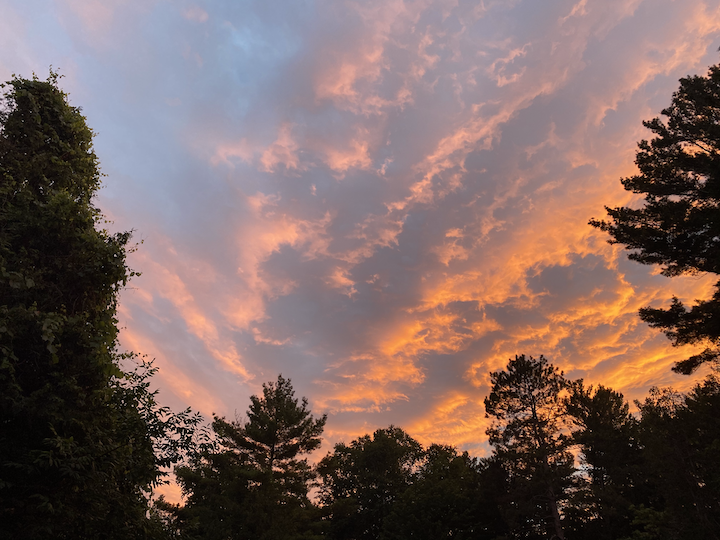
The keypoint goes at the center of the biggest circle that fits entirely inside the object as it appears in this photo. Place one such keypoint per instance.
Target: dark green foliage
(529, 417)
(606, 432)
(253, 483)
(216, 484)
(681, 439)
(361, 481)
(78, 436)
(649, 479)
(607, 437)
(278, 430)
(438, 504)
(678, 226)
(448, 499)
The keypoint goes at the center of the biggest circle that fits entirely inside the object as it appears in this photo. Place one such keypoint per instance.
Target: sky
(383, 200)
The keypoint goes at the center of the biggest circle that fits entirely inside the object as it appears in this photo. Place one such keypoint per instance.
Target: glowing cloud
(383, 200)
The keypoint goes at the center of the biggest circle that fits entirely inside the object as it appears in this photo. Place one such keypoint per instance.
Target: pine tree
(526, 404)
(255, 484)
(678, 226)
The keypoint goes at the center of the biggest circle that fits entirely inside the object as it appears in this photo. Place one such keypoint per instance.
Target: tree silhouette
(452, 496)
(526, 404)
(363, 479)
(254, 484)
(81, 441)
(607, 437)
(678, 226)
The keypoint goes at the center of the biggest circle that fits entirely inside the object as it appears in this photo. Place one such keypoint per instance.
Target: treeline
(568, 461)
(83, 441)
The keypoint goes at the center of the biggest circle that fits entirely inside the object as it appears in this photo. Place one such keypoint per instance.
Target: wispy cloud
(383, 200)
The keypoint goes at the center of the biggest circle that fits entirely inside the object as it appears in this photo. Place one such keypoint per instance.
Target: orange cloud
(470, 160)
(355, 156)
(284, 151)
(182, 385)
(457, 418)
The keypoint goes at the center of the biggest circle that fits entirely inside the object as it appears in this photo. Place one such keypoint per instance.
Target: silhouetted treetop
(678, 226)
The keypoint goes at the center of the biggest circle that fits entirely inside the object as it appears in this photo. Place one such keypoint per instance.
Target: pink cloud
(284, 151)
(381, 199)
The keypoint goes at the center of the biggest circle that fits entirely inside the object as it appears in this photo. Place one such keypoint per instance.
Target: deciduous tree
(81, 442)
(452, 496)
(362, 480)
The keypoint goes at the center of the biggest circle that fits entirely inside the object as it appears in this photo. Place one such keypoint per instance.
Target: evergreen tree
(78, 437)
(608, 440)
(254, 484)
(678, 226)
(526, 404)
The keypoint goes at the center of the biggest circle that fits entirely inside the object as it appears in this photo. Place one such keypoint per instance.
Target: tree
(218, 499)
(678, 226)
(277, 431)
(78, 436)
(680, 435)
(452, 496)
(608, 440)
(526, 404)
(254, 483)
(361, 481)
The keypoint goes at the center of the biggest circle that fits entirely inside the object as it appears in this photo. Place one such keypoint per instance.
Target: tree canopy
(527, 407)
(363, 479)
(82, 442)
(678, 228)
(253, 483)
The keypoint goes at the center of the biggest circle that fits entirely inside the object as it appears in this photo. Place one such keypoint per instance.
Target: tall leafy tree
(527, 435)
(78, 437)
(452, 496)
(361, 481)
(254, 484)
(678, 226)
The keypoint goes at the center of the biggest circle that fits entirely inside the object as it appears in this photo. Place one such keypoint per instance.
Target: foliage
(216, 485)
(608, 441)
(678, 226)
(253, 484)
(79, 437)
(361, 481)
(681, 439)
(448, 499)
(278, 430)
(528, 411)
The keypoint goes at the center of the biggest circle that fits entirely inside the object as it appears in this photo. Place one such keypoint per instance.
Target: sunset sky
(383, 200)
